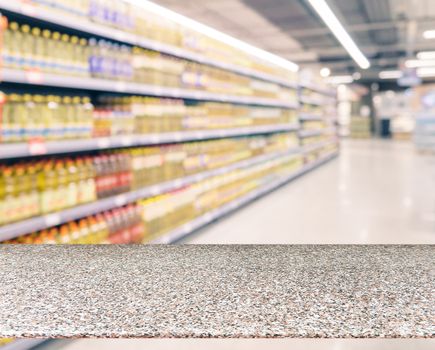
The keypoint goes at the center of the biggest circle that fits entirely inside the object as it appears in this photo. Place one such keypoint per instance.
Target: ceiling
(386, 31)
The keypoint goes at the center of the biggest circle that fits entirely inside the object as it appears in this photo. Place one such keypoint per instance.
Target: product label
(34, 76)
(37, 146)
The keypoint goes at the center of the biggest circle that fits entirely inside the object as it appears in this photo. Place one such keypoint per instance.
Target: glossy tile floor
(375, 192)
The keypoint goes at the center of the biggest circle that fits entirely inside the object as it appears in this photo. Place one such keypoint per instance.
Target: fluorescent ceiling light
(426, 72)
(426, 55)
(390, 74)
(429, 34)
(419, 63)
(340, 79)
(325, 72)
(326, 14)
(215, 34)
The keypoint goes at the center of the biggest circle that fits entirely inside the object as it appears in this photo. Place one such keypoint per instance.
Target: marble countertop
(325, 291)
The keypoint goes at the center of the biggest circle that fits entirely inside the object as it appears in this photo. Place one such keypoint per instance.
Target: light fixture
(426, 55)
(390, 74)
(377, 100)
(356, 76)
(326, 14)
(215, 34)
(426, 72)
(342, 89)
(325, 72)
(429, 34)
(340, 79)
(419, 63)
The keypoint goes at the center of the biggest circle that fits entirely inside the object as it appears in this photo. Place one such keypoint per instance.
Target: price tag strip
(52, 220)
(37, 147)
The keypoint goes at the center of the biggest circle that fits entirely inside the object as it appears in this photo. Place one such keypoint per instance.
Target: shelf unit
(23, 150)
(311, 101)
(198, 223)
(316, 132)
(82, 25)
(22, 227)
(319, 145)
(86, 26)
(330, 128)
(15, 150)
(312, 86)
(309, 116)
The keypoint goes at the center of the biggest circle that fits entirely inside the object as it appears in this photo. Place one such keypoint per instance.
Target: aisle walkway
(375, 192)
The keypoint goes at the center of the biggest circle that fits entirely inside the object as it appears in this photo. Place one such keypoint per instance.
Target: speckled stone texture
(217, 291)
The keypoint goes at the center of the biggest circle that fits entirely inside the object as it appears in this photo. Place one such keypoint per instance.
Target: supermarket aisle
(375, 192)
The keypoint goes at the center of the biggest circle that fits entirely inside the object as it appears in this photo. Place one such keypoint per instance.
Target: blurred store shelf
(218, 213)
(319, 145)
(316, 88)
(309, 116)
(84, 25)
(315, 132)
(39, 78)
(41, 222)
(15, 150)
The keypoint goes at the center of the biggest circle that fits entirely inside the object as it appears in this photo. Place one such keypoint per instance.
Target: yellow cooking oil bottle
(47, 183)
(12, 46)
(47, 61)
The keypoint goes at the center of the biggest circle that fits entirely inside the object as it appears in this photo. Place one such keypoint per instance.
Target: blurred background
(231, 121)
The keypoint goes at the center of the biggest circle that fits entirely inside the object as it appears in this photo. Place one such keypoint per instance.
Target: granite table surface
(327, 291)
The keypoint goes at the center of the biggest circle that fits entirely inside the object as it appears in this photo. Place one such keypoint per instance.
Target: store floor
(375, 192)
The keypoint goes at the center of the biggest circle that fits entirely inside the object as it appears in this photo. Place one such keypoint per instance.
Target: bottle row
(31, 188)
(148, 24)
(31, 48)
(321, 152)
(317, 139)
(314, 125)
(312, 109)
(152, 217)
(53, 117)
(321, 98)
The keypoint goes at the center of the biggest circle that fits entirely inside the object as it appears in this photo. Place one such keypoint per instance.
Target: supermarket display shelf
(311, 101)
(315, 132)
(15, 150)
(309, 116)
(84, 25)
(22, 344)
(318, 145)
(311, 86)
(20, 228)
(39, 78)
(190, 227)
